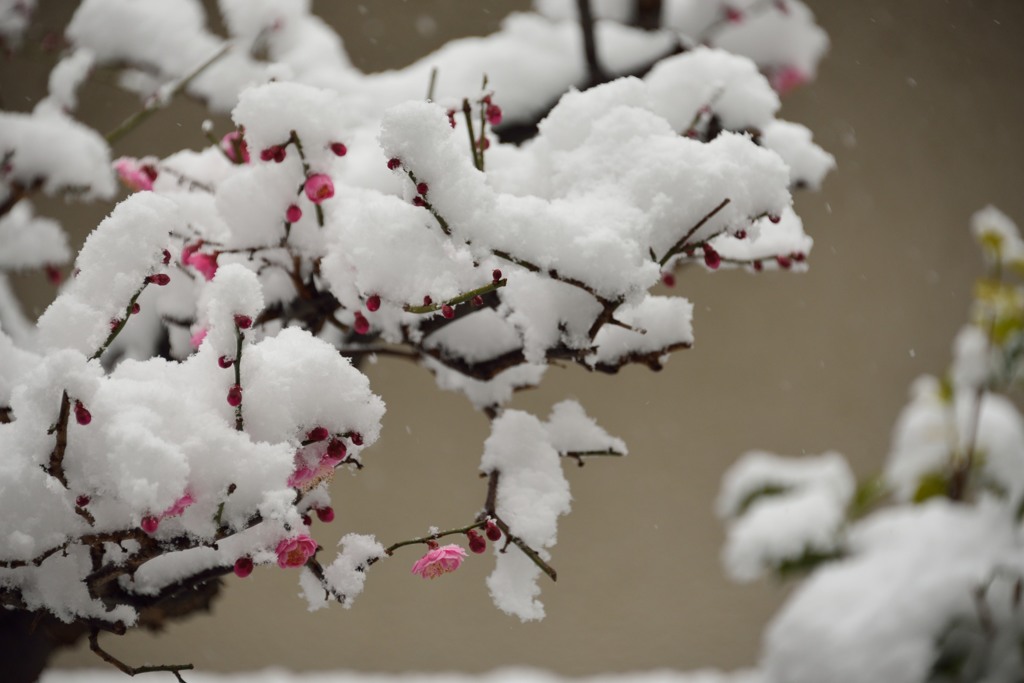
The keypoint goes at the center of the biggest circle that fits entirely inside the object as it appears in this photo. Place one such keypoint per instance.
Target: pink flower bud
(339, 149)
(438, 561)
(496, 275)
(82, 415)
(206, 264)
(319, 187)
(394, 164)
(235, 396)
(493, 114)
(150, 524)
(787, 79)
(373, 303)
(225, 362)
(134, 175)
(361, 325)
(447, 311)
(477, 301)
(325, 514)
(243, 567)
(492, 530)
(160, 279)
(293, 214)
(243, 322)
(197, 337)
(234, 147)
(295, 551)
(712, 259)
(476, 542)
(317, 434)
(422, 188)
(276, 153)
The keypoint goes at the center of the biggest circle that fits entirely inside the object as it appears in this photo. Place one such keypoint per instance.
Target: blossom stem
(682, 243)
(239, 337)
(479, 524)
(120, 324)
(467, 111)
(306, 171)
(454, 301)
(157, 102)
(94, 645)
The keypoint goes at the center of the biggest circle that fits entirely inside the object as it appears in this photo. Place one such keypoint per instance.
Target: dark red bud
(361, 325)
(82, 501)
(357, 438)
(774, 218)
(150, 524)
(339, 148)
(373, 303)
(496, 274)
(243, 322)
(668, 279)
(492, 530)
(325, 514)
(427, 301)
(740, 234)
(159, 279)
(784, 262)
(235, 396)
(394, 164)
(82, 415)
(799, 256)
(418, 201)
(477, 301)
(422, 188)
(136, 308)
(447, 311)
(225, 362)
(53, 274)
(167, 257)
(711, 257)
(476, 542)
(317, 434)
(243, 567)
(293, 214)
(336, 448)
(307, 520)
(758, 266)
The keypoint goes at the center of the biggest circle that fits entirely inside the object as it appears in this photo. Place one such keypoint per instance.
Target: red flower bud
(225, 362)
(418, 201)
(784, 262)
(317, 434)
(492, 530)
(496, 275)
(293, 214)
(493, 114)
(82, 416)
(53, 274)
(373, 303)
(758, 266)
(167, 257)
(357, 438)
(160, 279)
(774, 218)
(149, 524)
(740, 234)
(339, 148)
(336, 449)
(82, 501)
(136, 308)
(422, 188)
(427, 301)
(711, 257)
(476, 542)
(243, 322)
(669, 279)
(243, 567)
(307, 520)
(235, 396)
(361, 325)
(325, 514)
(394, 163)
(477, 301)
(447, 311)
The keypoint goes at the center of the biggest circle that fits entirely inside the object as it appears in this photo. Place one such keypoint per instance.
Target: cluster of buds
(477, 543)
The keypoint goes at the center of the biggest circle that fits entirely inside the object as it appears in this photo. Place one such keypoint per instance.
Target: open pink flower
(197, 337)
(294, 551)
(439, 561)
(319, 187)
(134, 174)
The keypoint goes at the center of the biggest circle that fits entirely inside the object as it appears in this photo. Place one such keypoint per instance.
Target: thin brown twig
(94, 645)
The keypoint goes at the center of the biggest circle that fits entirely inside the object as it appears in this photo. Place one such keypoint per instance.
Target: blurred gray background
(921, 103)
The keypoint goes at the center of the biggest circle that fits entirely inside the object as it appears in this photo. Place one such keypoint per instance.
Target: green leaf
(932, 485)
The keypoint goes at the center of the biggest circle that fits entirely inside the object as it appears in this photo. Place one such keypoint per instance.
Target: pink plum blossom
(319, 187)
(787, 79)
(134, 174)
(178, 506)
(197, 337)
(439, 561)
(294, 551)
